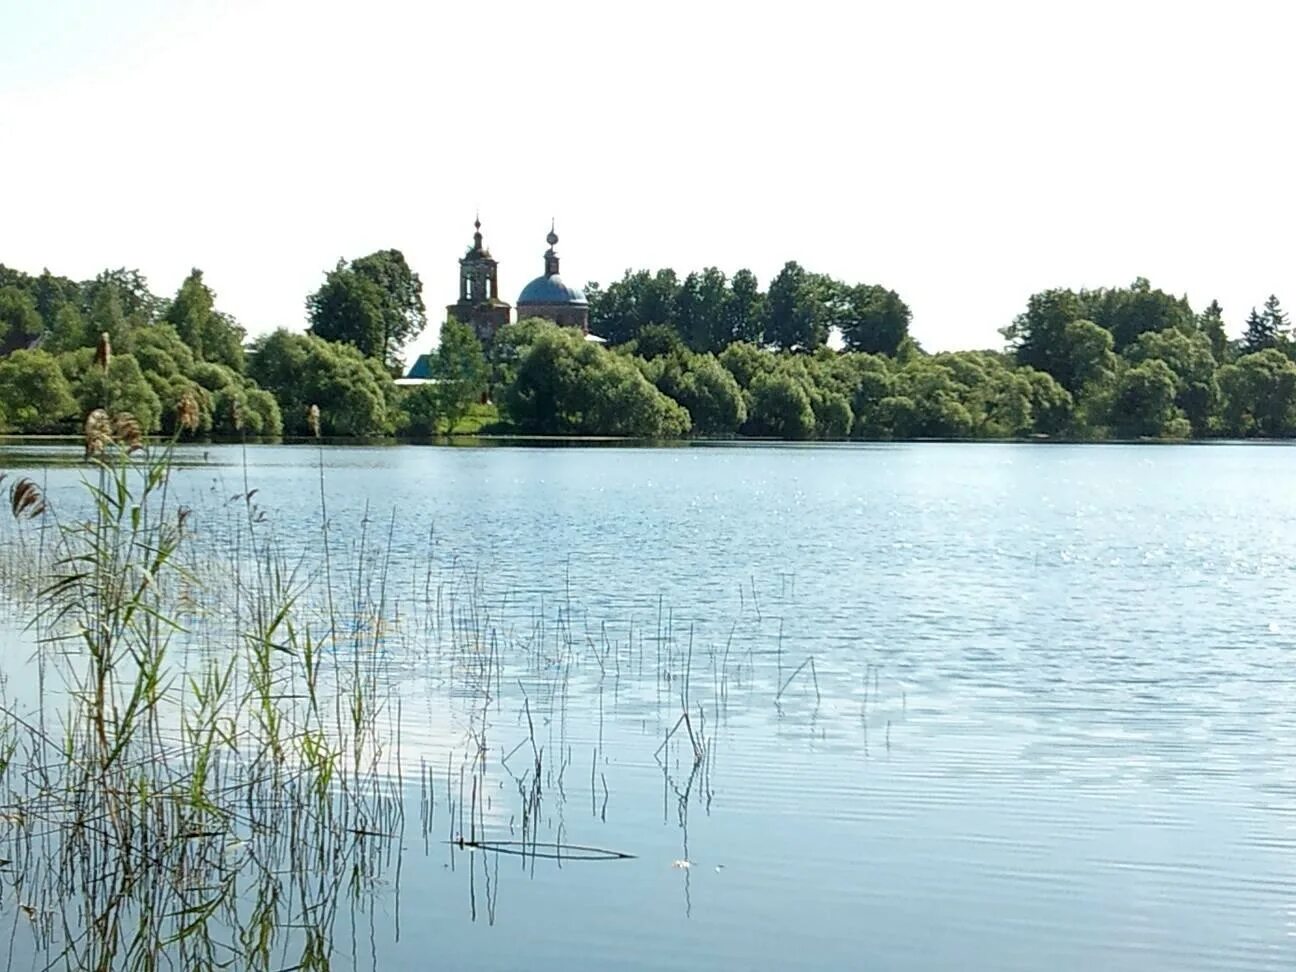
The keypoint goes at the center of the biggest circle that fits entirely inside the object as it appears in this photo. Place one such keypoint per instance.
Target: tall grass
(163, 807)
(210, 773)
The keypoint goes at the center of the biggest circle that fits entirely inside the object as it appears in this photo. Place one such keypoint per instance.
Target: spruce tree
(1260, 333)
(1276, 318)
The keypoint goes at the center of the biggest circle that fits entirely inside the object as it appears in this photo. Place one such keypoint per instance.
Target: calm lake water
(1051, 719)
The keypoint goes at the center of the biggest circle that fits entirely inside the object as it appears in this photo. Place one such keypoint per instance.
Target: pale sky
(964, 154)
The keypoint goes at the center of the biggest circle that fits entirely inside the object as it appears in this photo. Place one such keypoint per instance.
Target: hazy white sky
(965, 154)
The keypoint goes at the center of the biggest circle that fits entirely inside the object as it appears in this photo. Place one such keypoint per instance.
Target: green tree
(935, 409)
(657, 298)
(1036, 335)
(780, 407)
(873, 384)
(355, 394)
(1127, 312)
(1084, 356)
(400, 299)
(1190, 357)
(1261, 333)
(239, 409)
(627, 306)
(460, 370)
(656, 341)
(348, 309)
(52, 294)
(1211, 324)
(745, 361)
(873, 319)
(34, 395)
(161, 350)
(123, 388)
(68, 331)
(1259, 395)
(744, 310)
(832, 413)
(421, 411)
(1276, 319)
(209, 334)
(20, 322)
(566, 385)
(106, 314)
(1052, 407)
(130, 292)
(700, 310)
(1143, 403)
(707, 390)
(798, 314)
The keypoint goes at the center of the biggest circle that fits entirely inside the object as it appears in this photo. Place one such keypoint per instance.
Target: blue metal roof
(550, 290)
(422, 367)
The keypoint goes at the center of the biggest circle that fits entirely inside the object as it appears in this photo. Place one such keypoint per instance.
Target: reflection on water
(934, 706)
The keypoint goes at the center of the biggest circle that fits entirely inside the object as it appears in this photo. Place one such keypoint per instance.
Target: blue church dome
(551, 290)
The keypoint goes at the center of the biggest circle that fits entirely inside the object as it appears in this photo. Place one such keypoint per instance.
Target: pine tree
(1260, 333)
(1276, 318)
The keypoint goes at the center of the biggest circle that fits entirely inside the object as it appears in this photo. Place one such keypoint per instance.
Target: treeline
(809, 357)
(162, 348)
(1126, 362)
(709, 311)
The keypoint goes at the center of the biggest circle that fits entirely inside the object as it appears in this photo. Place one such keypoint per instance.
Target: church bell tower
(479, 303)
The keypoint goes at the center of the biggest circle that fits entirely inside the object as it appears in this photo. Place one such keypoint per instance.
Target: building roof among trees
(550, 290)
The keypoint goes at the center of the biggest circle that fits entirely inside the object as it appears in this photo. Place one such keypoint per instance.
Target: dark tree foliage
(700, 306)
(656, 341)
(153, 364)
(460, 369)
(1037, 336)
(347, 309)
(1267, 328)
(1261, 333)
(707, 355)
(129, 291)
(404, 316)
(374, 303)
(20, 322)
(709, 312)
(209, 334)
(1143, 404)
(35, 395)
(1190, 357)
(872, 319)
(1259, 395)
(1211, 323)
(1127, 312)
(744, 310)
(704, 387)
(799, 309)
(566, 385)
(626, 307)
(354, 393)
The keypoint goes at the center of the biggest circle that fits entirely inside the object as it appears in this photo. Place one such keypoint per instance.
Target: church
(481, 307)
(546, 296)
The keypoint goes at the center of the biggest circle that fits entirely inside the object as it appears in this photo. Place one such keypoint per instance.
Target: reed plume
(103, 353)
(187, 412)
(98, 433)
(126, 431)
(26, 500)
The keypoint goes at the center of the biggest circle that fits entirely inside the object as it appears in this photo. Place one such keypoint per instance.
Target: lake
(998, 706)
